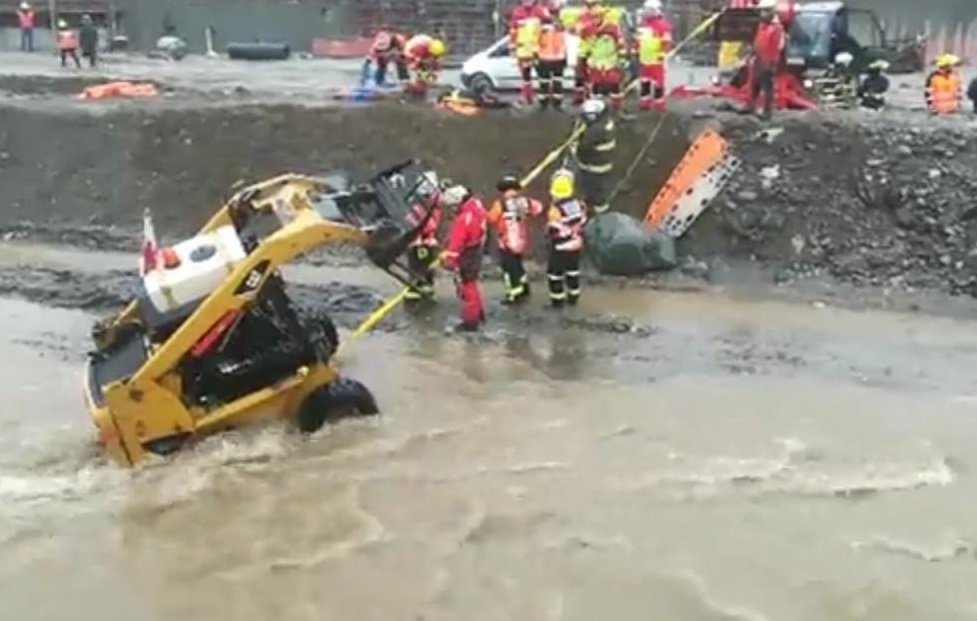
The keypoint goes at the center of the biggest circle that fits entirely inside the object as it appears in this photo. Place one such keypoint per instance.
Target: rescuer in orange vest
(509, 215)
(652, 40)
(67, 44)
(944, 90)
(525, 23)
(387, 48)
(25, 20)
(552, 64)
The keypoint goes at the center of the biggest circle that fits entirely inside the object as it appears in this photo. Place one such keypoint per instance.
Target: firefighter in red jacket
(466, 245)
(388, 47)
(424, 249)
(423, 55)
(768, 46)
(585, 27)
(605, 51)
(525, 25)
(652, 40)
(509, 215)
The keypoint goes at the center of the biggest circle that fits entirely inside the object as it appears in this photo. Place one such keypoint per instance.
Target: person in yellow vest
(525, 24)
(944, 90)
(68, 44)
(585, 27)
(604, 71)
(730, 52)
(552, 63)
(652, 40)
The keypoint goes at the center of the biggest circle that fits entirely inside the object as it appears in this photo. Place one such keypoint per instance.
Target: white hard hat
(653, 5)
(766, 4)
(593, 108)
(844, 58)
(454, 195)
(24, 6)
(62, 23)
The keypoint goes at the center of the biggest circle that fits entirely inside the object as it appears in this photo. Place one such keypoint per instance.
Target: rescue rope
(652, 135)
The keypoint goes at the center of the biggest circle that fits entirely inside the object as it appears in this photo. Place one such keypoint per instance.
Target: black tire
(258, 51)
(344, 398)
(480, 83)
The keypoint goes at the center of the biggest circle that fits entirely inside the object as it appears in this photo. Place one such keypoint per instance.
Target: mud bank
(866, 201)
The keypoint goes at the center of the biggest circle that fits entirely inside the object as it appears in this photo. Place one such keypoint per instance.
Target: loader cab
(822, 30)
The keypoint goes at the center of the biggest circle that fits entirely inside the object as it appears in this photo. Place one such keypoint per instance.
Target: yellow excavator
(211, 341)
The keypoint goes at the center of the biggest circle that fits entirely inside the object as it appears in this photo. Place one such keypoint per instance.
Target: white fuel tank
(204, 263)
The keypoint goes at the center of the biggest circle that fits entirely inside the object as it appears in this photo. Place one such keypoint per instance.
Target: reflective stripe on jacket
(943, 92)
(510, 216)
(595, 151)
(564, 223)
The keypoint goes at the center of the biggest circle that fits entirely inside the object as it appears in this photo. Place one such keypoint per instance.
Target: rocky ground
(873, 201)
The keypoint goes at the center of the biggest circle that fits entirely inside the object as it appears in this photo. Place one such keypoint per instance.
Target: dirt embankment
(870, 202)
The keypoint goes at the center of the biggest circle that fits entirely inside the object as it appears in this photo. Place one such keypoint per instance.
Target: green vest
(603, 53)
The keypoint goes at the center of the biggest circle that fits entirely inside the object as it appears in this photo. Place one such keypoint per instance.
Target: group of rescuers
(537, 37)
(509, 219)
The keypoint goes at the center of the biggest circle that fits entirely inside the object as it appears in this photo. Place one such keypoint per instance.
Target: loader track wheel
(344, 398)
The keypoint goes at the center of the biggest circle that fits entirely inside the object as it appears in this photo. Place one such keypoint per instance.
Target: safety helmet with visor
(562, 184)
(592, 109)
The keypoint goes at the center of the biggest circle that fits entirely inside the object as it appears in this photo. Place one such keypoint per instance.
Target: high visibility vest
(527, 37)
(565, 220)
(552, 44)
(943, 93)
(650, 46)
(603, 53)
(67, 40)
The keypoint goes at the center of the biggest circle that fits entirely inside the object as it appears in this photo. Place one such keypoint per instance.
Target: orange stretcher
(708, 150)
(119, 89)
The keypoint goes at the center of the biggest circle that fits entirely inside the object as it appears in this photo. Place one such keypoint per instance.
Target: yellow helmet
(561, 184)
(947, 60)
(437, 48)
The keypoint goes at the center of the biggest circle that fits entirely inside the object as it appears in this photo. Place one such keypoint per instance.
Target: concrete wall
(296, 22)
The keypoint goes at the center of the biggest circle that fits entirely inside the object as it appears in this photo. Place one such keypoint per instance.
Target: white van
(497, 69)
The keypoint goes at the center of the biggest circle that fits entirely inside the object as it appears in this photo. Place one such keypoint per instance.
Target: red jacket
(769, 42)
(387, 46)
(521, 13)
(25, 18)
(428, 236)
(468, 231)
(658, 24)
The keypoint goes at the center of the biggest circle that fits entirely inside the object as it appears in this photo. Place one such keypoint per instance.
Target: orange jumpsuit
(509, 215)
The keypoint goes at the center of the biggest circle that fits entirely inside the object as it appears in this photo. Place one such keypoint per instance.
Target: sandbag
(618, 245)
(258, 51)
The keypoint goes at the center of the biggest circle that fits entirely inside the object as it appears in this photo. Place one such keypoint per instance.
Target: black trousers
(563, 275)
(419, 261)
(383, 64)
(72, 54)
(514, 274)
(551, 82)
(763, 76)
(595, 190)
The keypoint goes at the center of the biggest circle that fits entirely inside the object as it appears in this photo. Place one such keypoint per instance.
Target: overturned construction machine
(817, 33)
(211, 340)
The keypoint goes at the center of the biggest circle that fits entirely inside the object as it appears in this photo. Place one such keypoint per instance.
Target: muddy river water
(711, 459)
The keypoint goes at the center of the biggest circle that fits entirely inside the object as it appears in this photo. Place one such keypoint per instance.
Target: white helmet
(62, 24)
(654, 6)
(24, 6)
(767, 4)
(453, 196)
(592, 108)
(844, 58)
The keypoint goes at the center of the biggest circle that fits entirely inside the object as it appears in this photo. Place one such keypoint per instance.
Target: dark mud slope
(87, 169)
(868, 203)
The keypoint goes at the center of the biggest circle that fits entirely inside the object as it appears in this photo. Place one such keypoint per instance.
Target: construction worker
(585, 27)
(595, 154)
(466, 245)
(552, 64)
(944, 90)
(67, 41)
(26, 20)
(840, 82)
(565, 220)
(652, 40)
(509, 215)
(388, 47)
(525, 23)
(423, 55)
(424, 249)
(605, 53)
(873, 86)
(768, 46)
